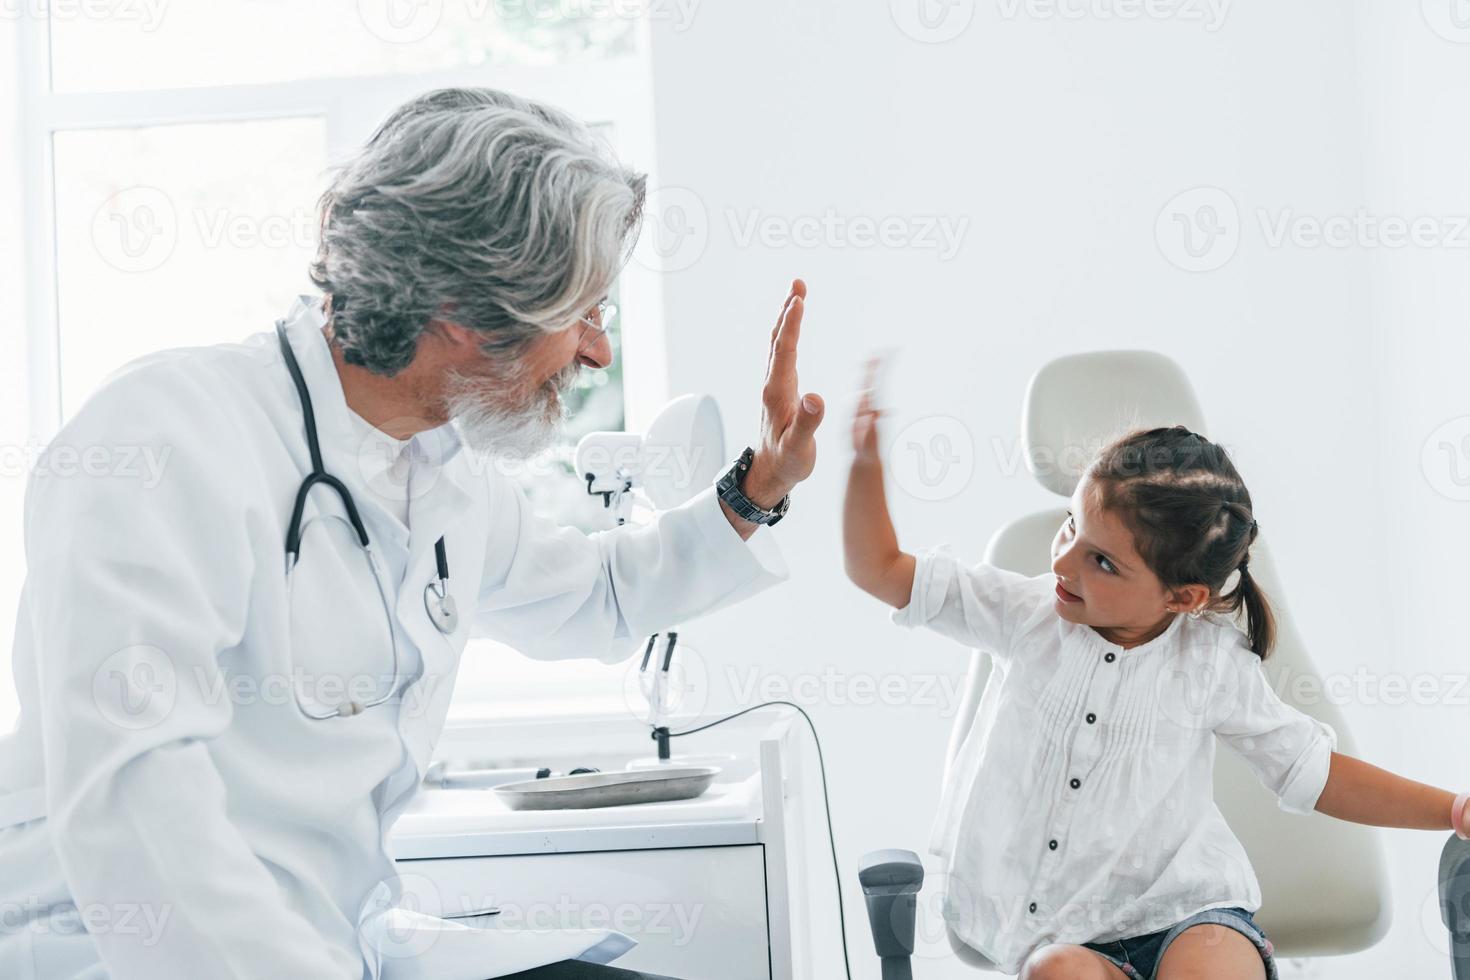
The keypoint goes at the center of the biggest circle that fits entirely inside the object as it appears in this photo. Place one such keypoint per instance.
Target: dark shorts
(1139, 957)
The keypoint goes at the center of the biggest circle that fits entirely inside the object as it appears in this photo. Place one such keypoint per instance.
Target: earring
(1196, 613)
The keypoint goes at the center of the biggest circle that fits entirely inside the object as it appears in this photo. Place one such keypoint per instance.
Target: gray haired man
(232, 677)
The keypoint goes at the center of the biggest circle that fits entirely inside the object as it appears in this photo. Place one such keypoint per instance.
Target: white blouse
(1079, 808)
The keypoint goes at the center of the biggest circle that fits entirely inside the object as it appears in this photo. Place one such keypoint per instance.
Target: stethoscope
(437, 601)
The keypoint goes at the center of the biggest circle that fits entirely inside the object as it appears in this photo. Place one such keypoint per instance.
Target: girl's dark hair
(1190, 515)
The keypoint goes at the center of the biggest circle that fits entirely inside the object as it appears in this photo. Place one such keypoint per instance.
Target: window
(172, 156)
(159, 229)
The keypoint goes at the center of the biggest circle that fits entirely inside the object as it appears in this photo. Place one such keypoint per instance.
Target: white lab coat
(162, 788)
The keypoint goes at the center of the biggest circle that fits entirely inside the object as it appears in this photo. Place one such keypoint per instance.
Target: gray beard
(495, 419)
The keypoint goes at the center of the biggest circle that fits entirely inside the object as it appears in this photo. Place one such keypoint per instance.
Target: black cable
(826, 802)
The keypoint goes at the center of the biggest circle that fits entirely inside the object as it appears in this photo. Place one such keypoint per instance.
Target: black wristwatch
(728, 487)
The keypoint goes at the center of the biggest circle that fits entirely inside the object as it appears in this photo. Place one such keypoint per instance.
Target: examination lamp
(682, 453)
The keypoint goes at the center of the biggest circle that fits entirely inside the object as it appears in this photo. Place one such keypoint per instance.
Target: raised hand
(865, 418)
(787, 452)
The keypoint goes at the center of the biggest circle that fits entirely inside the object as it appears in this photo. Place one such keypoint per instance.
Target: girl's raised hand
(865, 418)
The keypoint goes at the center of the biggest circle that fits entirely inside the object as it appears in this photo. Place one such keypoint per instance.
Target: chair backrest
(1324, 888)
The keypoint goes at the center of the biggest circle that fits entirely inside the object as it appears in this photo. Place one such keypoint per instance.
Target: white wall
(1415, 78)
(1062, 139)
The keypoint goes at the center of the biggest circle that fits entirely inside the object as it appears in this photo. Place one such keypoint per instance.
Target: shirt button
(1091, 717)
(1075, 782)
(1052, 844)
(1110, 657)
(1031, 907)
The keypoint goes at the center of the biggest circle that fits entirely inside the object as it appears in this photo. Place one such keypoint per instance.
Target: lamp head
(681, 453)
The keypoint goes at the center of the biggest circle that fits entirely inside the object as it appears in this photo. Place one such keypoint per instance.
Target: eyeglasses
(601, 318)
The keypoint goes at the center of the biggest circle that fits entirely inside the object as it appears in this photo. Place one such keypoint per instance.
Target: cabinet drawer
(695, 911)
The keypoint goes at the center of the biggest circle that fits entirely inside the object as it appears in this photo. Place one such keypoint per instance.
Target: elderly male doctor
(216, 736)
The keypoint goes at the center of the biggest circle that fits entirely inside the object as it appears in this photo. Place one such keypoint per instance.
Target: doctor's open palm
(788, 447)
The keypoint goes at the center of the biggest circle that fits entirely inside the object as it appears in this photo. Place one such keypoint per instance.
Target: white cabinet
(711, 888)
(696, 912)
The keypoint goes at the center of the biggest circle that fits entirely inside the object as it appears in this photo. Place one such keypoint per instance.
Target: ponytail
(1260, 621)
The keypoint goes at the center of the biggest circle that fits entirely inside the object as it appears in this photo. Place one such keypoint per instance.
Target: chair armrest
(1454, 902)
(890, 880)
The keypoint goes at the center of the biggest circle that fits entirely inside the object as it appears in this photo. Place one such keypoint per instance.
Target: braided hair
(1191, 518)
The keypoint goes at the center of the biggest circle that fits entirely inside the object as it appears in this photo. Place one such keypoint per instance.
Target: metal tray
(608, 789)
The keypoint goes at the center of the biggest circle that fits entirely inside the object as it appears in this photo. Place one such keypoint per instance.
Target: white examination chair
(1323, 884)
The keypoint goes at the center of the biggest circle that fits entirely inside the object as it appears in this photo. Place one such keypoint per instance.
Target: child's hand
(865, 419)
(871, 556)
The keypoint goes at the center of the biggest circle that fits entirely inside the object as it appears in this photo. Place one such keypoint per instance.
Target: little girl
(1078, 824)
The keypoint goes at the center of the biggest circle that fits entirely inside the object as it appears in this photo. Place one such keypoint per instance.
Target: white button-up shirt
(1079, 808)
